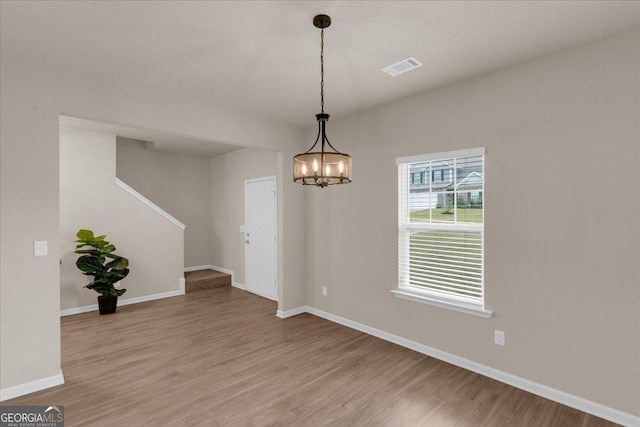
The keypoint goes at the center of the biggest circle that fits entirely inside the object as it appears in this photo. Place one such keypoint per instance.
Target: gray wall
(178, 184)
(206, 194)
(34, 93)
(228, 173)
(561, 221)
(564, 284)
(153, 244)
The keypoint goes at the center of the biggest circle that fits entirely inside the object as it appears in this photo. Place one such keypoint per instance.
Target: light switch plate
(40, 248)
(498, 337)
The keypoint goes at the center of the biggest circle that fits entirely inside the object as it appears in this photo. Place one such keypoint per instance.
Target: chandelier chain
(322, 69)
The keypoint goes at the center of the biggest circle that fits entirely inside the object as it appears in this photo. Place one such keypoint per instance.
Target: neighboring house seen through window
(441, 226)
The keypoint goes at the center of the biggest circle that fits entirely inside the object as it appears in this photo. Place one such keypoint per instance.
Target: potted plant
(98, 260)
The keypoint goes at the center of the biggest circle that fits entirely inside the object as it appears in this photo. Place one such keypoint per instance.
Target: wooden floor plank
(220, 357)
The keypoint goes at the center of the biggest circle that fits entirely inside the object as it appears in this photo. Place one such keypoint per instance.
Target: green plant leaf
(114, 276)
(100, 288)
(88, 251)
(85, 234)
(107, 249)
(118, 263)
(86, 238)
(99, 258)
(91, 243)
(102, 280)
(90, 265)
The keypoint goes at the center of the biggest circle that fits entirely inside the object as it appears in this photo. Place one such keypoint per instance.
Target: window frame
(470, 305)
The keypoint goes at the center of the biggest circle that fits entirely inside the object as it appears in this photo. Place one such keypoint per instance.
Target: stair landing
(205, 279)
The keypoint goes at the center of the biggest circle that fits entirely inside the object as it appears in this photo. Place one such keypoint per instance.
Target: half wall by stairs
(92, 197)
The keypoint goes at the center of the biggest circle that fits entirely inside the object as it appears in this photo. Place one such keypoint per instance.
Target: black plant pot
(107, 304)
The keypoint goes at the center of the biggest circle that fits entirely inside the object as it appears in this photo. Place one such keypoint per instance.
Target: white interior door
(260, 216)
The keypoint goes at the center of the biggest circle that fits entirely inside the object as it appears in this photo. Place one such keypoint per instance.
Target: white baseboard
(127, 301)
(223, 270)
(215, 267)
(198, 267)
(78, 310)
(31, 387)
(573, 401)
(293, 312)
(208, 267)
(239, 285)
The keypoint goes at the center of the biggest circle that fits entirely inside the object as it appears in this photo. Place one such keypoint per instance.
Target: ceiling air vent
(403, 66)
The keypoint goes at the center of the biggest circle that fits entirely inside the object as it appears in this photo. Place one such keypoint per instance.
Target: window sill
(442, 303)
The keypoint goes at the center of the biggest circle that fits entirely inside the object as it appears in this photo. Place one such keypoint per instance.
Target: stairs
(205, 279)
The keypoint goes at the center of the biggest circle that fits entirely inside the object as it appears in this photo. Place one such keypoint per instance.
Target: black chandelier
(327, 166)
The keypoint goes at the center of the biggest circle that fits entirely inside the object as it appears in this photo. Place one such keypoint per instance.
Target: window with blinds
(441, 225)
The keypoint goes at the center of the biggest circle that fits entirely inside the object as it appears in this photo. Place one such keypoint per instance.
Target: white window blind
(441, 225)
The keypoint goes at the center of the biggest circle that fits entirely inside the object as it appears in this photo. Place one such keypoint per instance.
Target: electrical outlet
(498, 337)
(40, 248)
(324, 291)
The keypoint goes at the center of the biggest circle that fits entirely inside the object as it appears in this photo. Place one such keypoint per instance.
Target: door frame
(273, 178)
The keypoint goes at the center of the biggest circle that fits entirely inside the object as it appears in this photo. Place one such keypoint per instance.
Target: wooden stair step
(205, 279)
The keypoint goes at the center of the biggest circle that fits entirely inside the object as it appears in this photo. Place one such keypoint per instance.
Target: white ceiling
(263, 56)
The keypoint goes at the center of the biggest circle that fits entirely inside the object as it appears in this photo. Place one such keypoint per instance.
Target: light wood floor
(220, 357)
